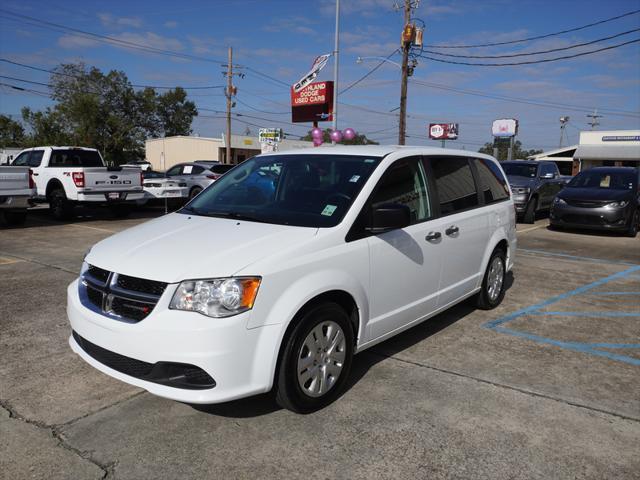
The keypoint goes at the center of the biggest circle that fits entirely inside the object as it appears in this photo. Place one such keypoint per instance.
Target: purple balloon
(316, 133)
(317, 142)
(349, 133)
(336, 136)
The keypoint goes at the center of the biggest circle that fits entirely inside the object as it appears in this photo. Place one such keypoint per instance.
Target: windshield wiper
(234, 215)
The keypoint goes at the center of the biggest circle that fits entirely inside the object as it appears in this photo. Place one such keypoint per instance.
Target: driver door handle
(433, 236)
(452, 230)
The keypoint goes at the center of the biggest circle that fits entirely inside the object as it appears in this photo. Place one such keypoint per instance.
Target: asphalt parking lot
(545, 386)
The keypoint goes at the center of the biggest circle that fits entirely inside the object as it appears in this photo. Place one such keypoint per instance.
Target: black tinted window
(454, 181)
(611, 180)
(221, 168)
(546, 168)
(174, 170)
(197, 170)
(404, 183)
(21, 160)
(75, 158)
(36, 158)
(493, 186)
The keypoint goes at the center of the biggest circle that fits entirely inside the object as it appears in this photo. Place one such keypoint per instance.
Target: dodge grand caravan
(313, 256)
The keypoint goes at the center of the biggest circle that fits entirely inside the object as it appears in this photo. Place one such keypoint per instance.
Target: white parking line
(531, 229)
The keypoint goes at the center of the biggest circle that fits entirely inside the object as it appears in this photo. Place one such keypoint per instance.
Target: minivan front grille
(121, 297)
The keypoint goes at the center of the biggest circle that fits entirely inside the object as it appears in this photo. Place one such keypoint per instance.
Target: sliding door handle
(452, 230)
(433, 236)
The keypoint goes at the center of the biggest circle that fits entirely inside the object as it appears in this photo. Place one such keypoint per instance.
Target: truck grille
(586, 203)
(122, 297)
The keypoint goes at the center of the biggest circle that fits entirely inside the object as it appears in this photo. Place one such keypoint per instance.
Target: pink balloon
(316, 133)
(349, 133)
(336, 136)
(317, 141)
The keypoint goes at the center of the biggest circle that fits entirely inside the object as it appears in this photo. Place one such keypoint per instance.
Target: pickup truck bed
(16, 193)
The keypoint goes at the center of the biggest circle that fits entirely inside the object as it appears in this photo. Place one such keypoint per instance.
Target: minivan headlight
(216, 297)
(620, 204)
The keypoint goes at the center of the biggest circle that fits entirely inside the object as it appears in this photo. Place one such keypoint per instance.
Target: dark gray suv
(605, 198)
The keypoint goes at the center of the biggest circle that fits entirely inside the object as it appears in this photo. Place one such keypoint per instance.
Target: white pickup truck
(70, 176)
(16, 191)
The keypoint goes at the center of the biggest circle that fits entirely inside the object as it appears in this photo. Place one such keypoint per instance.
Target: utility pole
(336, 50)
(228, 93)
(406, 46)
(594, 118)
(563, 125)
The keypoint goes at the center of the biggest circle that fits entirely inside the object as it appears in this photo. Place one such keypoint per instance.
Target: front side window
(22, 160)
(404, 183)
(301, 190)
(546, 169)
(75, 158)
(454, 183)
(493, 186)
(36, 158)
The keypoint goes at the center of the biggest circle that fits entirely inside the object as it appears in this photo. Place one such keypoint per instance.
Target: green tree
(358, 140)
(11, 133)
(503, 150)
(104, 111)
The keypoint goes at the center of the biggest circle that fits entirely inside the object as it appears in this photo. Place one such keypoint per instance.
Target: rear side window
(404, 183)
(75, 158)
(454, 183)
(493, 186)
(220, 169)
(36, 158)
(546, 168)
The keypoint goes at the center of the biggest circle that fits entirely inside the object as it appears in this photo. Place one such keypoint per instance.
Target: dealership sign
(505, 127)
(266, 135)
(443, 131)
(313, 103)
(318, 64)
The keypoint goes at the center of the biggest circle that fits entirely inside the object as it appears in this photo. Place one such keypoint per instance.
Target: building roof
(555, 154)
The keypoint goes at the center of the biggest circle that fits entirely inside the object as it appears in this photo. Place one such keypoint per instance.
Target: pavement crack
(37, 262)
(509, 387)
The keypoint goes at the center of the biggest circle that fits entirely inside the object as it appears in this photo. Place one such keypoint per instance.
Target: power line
(353, 84)
(531, 62)
(540, 52)
(64, 74)
(538, 37)
(261, 111)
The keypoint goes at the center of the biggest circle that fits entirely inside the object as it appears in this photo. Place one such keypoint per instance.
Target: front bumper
(520, 202)
(237, 358)
(599, 218)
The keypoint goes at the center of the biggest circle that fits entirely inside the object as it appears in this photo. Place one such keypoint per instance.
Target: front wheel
(492, 292)
(194, 191)
(316, 359)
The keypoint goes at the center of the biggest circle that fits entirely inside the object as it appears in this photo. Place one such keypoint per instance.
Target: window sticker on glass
(328, 210)
(605, 182)
(354, 179)
(369, 160)
(187, 169)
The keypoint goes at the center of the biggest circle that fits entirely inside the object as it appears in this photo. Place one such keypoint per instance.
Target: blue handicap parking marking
(550, 308)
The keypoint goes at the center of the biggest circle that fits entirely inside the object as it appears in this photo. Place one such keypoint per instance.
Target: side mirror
(388, 217)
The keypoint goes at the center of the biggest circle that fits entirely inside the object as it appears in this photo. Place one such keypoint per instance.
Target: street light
(361, 59)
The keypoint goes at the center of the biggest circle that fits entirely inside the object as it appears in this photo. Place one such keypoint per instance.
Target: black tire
(60, 207)
(634, 225)
(289, 392)
(485, 300)
(15, 217)
(120, 211)
(194, 191)
(529, 215)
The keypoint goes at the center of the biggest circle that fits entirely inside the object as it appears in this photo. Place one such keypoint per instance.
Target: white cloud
(171, 24)
(109, 20)
(71, 41)
(150, 39)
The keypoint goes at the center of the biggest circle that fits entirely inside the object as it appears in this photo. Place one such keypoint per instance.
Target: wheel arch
(53, 184)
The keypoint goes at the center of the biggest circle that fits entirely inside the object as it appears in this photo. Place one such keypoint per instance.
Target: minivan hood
(594, 194)
(178, 247)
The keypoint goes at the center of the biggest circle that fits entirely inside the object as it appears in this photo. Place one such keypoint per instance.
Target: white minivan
(311, 257)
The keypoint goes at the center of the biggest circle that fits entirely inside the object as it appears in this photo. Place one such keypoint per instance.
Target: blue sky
(281, 39)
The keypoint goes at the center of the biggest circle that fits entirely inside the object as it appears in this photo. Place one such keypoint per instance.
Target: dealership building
(163, 153)
(597, 148)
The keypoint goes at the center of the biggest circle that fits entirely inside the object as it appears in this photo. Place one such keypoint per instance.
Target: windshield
(603, 179)
(75, 158)
(520, 170)
(300, 190)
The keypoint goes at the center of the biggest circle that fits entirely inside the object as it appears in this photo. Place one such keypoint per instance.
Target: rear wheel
(492, 292)
(15, 217)
(61, 208)
(634, 225)
(530, 213)
(194, 191)
(316, 359)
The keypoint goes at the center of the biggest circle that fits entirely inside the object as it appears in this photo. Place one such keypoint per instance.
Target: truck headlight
(216, 297)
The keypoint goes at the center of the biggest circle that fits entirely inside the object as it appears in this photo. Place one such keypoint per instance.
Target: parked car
(207, 163)
(603, 198)
(141, 164)
(158, 187)
(17, 189)
(355, 245)
(196, 176)
(70, 176)
(534, 186)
